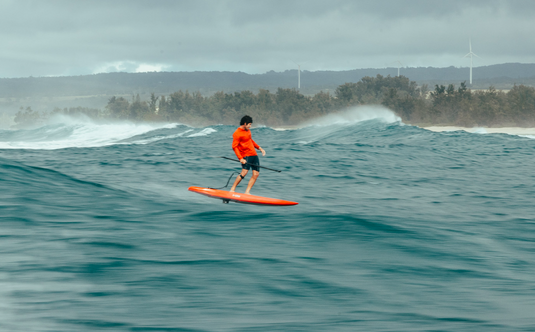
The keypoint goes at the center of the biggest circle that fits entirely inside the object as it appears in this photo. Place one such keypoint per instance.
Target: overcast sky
(77, 37)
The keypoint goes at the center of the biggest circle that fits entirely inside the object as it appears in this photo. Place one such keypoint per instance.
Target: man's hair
(246, 119)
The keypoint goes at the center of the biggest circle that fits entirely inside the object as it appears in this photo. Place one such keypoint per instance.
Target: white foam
(479, 130)
(159, 138)
(204, 132)
(84, 133)
(514, 131)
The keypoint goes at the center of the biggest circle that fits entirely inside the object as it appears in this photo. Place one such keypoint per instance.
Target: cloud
(145, 68)
(129, 66)
(60, 37)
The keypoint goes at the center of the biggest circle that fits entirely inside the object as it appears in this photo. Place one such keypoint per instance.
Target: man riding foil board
(244, 148)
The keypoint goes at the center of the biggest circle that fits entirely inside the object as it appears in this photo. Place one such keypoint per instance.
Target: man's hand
(243, 161)
(263, 152)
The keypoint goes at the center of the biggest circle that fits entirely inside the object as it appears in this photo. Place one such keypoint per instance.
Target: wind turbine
(471, 55)
(298, 75)
(399, 65)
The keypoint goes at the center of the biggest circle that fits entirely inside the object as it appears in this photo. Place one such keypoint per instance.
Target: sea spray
(323, 127)
(355, 115)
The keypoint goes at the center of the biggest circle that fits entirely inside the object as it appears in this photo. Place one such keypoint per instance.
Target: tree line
(445, 105)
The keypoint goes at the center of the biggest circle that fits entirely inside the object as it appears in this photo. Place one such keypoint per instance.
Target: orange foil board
(239, 197)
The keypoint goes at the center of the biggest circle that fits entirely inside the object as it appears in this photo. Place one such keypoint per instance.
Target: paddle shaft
(271, 169)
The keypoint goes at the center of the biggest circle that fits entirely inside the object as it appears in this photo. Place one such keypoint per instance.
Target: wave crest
(355, 115)
(66, 132)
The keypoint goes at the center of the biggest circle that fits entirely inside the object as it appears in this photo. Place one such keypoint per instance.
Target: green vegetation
(444, 106)
(489, 108)
(284, 107)
(27, 117)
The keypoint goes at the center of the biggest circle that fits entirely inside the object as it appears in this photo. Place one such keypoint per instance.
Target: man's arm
(235, 143)
(258, 148)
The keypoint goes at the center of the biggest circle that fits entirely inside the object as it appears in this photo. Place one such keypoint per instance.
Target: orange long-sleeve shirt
(243, 144)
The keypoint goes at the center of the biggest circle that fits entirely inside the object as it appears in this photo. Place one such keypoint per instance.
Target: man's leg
(252, 181)
(238, 179)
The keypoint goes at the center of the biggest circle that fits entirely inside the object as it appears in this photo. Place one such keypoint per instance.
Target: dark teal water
(398, 229)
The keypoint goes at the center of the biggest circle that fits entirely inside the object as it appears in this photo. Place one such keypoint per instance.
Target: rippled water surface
(398, 229)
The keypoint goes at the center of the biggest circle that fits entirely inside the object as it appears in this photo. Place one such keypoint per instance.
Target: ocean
(398, 228)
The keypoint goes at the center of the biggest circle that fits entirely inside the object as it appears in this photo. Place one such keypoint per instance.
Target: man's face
(248, 126)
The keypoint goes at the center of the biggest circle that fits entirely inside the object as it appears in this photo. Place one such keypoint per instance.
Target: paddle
(271, 169)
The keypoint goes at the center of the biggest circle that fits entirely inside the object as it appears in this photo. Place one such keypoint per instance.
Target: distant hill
(95, 90)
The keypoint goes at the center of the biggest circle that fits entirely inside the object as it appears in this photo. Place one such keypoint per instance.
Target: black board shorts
(254, 160)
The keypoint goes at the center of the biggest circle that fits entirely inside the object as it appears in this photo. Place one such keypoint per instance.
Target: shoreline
(484, 130)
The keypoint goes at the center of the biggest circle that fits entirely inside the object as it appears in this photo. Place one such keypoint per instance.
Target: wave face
(398, 229)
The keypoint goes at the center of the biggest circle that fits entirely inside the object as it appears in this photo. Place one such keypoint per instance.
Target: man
(244, 148)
